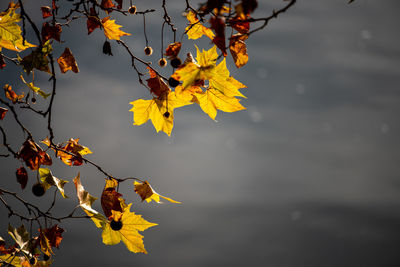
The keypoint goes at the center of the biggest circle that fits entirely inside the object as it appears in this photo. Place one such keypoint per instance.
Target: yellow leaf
(159, 110)
(196, 30)
(146, 192)
(17, 46)
(111, 29)
(129, 232)
(37, 90)
(9, 29)
(49, 180)
(85, 202)
(67, 61)
(212, 99)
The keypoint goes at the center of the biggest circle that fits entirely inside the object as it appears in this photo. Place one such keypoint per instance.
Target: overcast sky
(308, 175)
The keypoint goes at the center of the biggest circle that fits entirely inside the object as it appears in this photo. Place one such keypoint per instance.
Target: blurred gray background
(308, 175)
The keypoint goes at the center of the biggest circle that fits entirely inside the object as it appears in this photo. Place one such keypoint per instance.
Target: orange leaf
(172, 50)
(51, 32)
(33, 155)
(46, 11)
(53, 234)
(10, 94)
(76, 149)
(146, 192)
(22, 177)
(238, 49)
(3, 112)
(106, 4)
(93, 22)
(67, 61)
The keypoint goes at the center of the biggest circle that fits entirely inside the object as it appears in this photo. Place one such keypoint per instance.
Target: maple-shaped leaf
(206, 69)
(157, 85)
(51, 32)
(33, 155)
(212, 99)
(3, 112)
(48, 180)
(9, 29)
(46, 11)
(53, 234)
(34, 88)
(38, 59)
(67, 61)
(110, 198)
(238, 49)
(10, 94)
(160, 110)
(111, 29)
(218, 25)
(85, 202)
(146, 192)
(20, 236)
(22, 177)
(172, 50)
(73, 147)
(131, 224)
(196, 30)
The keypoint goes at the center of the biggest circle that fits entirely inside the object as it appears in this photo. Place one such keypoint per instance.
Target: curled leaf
(3, 112)
(85, 202)
(51, 32)
(46, 11)
(22, 177)
(67, 61)
(110, 198)
(34, 88)
(237, 46)
(33, 155)
(10, 94)
(49, 180)
(146, 192)
(172, 50)
(157, 85)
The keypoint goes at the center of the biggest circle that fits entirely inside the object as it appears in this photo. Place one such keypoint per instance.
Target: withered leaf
(110, 198)
(10, 94)
(53, 234)
(22, 177)
(46, 11)
(119, 2)
(67, 61)
(172, 50)
(238, 49)
(2, 62)
(93, 22)
(3, 112)
(33, 155)
(107, 4)
(146, 192)
(51, 32)
(157, 85)
(218, 25)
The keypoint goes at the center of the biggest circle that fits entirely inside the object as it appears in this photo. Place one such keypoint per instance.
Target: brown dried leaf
(22, 177)
(67, 61)
(218, 25)
(51, 32)
(53, 234)
(172, 50)
(33, 155)
(3, 112)
(46, 11)
(10, 94)
(157, 85)
(110, 198)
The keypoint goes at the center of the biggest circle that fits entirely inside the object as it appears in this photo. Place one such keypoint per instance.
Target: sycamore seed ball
(162, 62)
(132, 10)
(176, 62)
(38, 189)
(172, 82)
(148, 50)
(116, 225)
